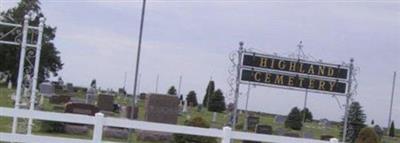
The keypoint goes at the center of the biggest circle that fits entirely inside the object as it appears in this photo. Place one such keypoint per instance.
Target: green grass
(5, 123)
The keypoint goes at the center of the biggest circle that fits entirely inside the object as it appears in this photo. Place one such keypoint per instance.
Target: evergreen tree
(50, 61)
(356, 121)
(367, 135)
(191, 99)
(308, 115)
(172, 90)
(217, 102)
(294, 120)
(392, 130)
(209, 91)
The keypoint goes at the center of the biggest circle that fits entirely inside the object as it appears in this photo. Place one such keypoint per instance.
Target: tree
(356, 121)
(308, 115)
(217, 102)
(50, 61)
(367, 135)
(191, 99)
(392, 130)
(172, 90)
(209, 91)
(196, 122)
(294, 120)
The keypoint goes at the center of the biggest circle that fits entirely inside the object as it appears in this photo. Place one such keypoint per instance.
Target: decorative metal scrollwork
(14, 34)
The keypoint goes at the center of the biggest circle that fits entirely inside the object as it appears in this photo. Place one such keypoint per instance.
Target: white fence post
(226, 137)
(98, 127)
(333, 140)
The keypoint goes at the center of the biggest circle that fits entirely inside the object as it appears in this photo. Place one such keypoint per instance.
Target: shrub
(196, 122)
(367, 135)
(52, 127)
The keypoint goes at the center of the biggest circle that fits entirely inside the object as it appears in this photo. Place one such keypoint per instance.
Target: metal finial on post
(240, 51)
(20, 70)
(348, 98)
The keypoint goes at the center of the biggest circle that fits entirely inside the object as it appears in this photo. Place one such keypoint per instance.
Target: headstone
(91, 96)
(60, 99)
(279, 119)
(79, 108)
(308, 135)
(290, 134)
(326, 137)
(162, 109)
(261, 129)
(119, 133)
(252, 121)
(69, 88)
(325, 123)
(280, 131)
(127, 112)
(184, 110)
(264, 129)
(9, 84)
(47, 89)
(106, 102)
(77, 100)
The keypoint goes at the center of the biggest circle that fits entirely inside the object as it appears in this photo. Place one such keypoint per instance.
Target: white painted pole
(240, 51)
(226, 137)
(391, 101)
(20, 71)
(98, 127)
(348, 97)
(36, 71)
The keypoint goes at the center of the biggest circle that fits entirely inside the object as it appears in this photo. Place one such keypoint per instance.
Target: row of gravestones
(253, 124)
(158, 108)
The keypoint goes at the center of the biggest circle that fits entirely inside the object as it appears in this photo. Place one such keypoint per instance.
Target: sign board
(270, 62)
(280, 72)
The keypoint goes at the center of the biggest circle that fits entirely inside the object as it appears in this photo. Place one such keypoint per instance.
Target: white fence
(99, 121)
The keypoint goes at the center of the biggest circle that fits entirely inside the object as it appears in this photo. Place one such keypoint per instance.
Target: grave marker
(106, 102)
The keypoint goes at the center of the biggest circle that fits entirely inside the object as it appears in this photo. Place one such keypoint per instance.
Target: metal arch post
(240, 51)
(348, 97)
(20, 70)
(36, 72)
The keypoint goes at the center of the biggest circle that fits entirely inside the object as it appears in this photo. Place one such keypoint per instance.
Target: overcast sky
(98, 39)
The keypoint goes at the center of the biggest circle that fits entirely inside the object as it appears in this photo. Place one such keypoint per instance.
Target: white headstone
(184, 106)
(91, 96)
(9, 84)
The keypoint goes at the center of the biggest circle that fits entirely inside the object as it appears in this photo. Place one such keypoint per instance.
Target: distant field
(314, 128)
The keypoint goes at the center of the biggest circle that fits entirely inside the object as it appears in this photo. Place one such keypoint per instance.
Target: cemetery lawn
(313, 127)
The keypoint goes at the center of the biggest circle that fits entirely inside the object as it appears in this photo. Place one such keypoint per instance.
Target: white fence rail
(99, 121)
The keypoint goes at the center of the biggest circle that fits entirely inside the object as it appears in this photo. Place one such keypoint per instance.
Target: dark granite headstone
(79, 108)
(280, 131)
(296, 135)
(252, 122)
(128, 112)
(264, 129)
(106, 102)
(60, 99)
(326, 137)
(120, 133)
(163, 109)
(261, 129)
(308, 135)
(47, 89)
(280, 119)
